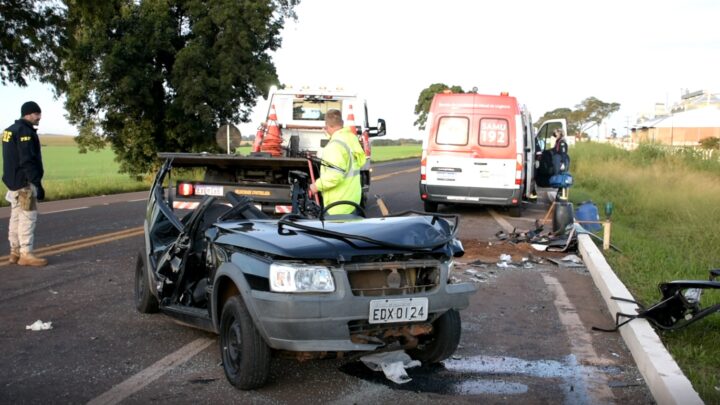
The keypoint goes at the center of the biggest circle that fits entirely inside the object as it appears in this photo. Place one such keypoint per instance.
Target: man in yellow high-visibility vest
(340, 179)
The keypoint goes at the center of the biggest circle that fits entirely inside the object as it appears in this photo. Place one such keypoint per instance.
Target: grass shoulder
(665, 205)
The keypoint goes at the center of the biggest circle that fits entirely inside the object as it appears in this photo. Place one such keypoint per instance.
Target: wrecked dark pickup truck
(305, 282)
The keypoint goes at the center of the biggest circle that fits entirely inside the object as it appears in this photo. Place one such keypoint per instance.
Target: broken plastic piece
(39, 325)
(392, 364)
(572, 258)
(538, 246)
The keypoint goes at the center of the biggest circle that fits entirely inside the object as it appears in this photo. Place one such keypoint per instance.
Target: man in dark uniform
(22, 174)
(561, 160)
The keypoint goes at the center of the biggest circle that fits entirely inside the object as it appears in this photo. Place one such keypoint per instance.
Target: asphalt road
(526, 336)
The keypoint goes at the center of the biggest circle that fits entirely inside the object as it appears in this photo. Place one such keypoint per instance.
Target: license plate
(201, 189)
(398, 310)
(446, 175)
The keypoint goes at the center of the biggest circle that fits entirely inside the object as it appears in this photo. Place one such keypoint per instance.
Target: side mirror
(380, 130)
(381, 127)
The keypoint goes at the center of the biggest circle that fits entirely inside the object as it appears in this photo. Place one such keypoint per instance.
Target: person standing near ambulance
(340, 179)
(22, 175)
(561, 159)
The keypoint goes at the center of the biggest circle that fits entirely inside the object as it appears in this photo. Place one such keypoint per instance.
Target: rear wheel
(245, 355)
(145, 301)
(430, 206)
(516, 210)
(442, 342)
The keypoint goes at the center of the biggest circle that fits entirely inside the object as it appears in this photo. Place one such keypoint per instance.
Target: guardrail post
(606, 235)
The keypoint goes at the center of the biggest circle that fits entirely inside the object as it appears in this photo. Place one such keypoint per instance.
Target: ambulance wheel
(430, 206)
(516, 211)
(441, 342)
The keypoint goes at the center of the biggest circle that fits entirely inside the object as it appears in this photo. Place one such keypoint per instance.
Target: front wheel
(442, 341)
(145, 301)
(245, 355)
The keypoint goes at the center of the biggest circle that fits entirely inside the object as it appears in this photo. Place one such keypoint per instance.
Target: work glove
(562, 167)
(537, 164)
(40, 192)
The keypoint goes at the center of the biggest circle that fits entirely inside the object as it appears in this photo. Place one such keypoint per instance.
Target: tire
(145, 301)
(443, 340)
(245, 355)
(516, 210)
(430, 206)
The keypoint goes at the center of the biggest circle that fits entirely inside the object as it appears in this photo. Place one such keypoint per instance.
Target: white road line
(139, 199)
(580, 342)
(506, 226)
(152, 373)
(65, 210)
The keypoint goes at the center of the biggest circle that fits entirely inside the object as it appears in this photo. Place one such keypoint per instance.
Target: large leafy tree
(590, 112)
(30, 35)
(425, 99)
(163, 75)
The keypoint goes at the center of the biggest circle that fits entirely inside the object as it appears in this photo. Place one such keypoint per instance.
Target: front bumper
(320, 322)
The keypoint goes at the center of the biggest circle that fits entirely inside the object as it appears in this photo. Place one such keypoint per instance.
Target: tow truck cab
(301, 119)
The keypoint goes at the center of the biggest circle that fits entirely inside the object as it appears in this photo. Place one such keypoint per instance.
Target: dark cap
(29, 108)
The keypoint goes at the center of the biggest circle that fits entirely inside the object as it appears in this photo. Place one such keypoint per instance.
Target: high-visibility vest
(342, 182)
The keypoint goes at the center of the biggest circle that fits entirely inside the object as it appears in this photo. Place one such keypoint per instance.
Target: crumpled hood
(290, 241)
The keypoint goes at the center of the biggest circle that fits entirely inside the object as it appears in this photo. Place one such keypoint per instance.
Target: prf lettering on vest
(7, 135)
(24, 138)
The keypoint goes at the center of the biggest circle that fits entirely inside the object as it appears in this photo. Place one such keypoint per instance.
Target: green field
(70, 174)
(379, 153)
(666, 213)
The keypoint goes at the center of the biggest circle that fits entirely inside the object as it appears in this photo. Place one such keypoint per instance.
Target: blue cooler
(587, 211)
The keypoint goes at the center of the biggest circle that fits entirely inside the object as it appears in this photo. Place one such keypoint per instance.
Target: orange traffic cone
(350, 121)
(273, 138)
(259, 135)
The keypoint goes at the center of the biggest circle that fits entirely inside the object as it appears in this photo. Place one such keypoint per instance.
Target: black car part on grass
(679, 306)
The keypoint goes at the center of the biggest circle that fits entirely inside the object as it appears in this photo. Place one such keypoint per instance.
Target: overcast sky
(549, 54)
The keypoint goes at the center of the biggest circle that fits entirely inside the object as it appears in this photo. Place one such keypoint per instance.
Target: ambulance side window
(452, 131)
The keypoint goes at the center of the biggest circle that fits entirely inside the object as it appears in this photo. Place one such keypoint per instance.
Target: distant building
(696, 116)
(682, 128)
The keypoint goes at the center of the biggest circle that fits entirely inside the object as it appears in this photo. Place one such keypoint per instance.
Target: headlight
(300, 278)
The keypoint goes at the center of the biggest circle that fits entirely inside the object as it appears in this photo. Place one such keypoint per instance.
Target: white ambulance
(479, 149)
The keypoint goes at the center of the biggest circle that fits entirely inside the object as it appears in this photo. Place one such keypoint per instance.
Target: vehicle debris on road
(39, 325)
(392, 364)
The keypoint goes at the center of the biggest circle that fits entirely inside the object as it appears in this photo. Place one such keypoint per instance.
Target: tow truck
(290, 140)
